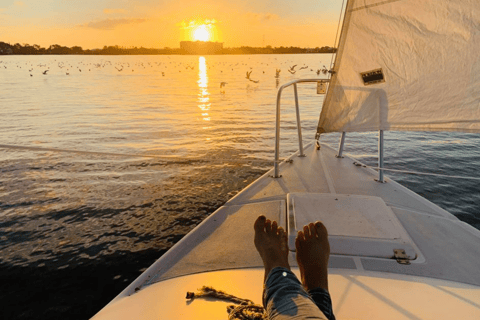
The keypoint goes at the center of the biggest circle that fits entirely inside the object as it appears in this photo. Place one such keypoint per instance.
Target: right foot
(313, 251)
(271, 243)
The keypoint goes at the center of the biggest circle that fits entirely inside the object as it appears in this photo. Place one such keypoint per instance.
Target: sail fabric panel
(406, 65)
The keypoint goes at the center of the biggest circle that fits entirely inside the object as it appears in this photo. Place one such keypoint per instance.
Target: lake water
(77, 227)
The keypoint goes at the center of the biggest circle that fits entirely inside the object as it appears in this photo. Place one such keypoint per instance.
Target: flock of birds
(162, 68)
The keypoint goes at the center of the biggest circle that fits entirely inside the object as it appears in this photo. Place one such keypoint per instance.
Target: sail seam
(374, 5)
(411, 128)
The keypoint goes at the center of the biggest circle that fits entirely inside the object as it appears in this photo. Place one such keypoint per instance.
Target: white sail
(428, 54)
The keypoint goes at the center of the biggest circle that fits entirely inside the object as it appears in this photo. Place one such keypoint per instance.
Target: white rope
(419, 173)
(244, 310)
(163, 158)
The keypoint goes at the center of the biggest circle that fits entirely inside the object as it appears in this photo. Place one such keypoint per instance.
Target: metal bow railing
(299, 127)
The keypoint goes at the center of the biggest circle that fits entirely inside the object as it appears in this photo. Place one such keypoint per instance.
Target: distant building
(201, 47)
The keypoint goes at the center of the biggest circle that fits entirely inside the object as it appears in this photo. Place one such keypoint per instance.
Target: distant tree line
(6, 48)
(26, 49)
(277, 50)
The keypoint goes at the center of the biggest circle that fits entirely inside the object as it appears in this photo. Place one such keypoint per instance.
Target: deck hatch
(357, 225)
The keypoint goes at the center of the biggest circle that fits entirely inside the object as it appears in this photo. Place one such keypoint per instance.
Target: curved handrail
(277, 119)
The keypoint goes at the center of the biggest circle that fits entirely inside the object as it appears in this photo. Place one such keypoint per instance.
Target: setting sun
(201, 33)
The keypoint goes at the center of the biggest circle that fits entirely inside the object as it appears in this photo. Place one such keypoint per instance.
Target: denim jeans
(284, 297)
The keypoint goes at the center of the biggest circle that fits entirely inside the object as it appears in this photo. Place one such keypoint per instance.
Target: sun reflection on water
(203, 94)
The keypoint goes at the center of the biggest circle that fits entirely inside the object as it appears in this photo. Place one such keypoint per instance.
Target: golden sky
(164, 23)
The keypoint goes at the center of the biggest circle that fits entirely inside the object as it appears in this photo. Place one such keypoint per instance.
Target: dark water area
(73, 241)
(77, 228)
(77, 292)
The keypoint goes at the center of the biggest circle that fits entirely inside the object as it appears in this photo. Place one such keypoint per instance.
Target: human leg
(284, 296)
(271, 243)
(313, 252)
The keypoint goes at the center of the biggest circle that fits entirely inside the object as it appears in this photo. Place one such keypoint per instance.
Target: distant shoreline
(151, 54)
(26, 49)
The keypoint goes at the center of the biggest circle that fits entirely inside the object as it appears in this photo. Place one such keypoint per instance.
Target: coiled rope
(243, 310)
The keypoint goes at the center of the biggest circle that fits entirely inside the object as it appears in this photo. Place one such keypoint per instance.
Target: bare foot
(271, 243)
(313, 251)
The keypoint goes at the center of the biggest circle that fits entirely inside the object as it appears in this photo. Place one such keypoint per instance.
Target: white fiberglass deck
(355, 295)
(444, 252)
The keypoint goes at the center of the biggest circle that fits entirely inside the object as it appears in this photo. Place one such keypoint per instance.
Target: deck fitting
(401, 256)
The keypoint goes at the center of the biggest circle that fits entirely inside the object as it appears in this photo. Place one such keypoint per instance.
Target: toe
(274, 227)
(320, 229)
(300, 236)
(297, 244)
(268, 226)
(299, 239)
(306, 232)
(313, 230)
(259, 224)
(281, 231)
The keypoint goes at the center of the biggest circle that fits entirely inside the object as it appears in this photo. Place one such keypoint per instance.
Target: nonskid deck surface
(441, 247)
(355, 295)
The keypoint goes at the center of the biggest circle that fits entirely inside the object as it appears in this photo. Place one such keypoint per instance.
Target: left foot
(271, 244)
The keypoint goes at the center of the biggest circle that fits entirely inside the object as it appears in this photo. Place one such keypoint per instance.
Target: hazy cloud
(114, 11)
(209, 23)
(19, 4)
(269, 16)
(109, 24)
(262, 17)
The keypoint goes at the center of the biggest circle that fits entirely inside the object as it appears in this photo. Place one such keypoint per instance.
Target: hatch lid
(357, 225)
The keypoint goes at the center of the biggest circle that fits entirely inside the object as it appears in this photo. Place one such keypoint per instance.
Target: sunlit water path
(76, 228)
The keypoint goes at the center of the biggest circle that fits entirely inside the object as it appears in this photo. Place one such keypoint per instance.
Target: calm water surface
(77, 228)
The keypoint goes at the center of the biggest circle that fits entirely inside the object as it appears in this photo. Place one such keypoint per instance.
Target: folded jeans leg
(285, 298)
(322, 299)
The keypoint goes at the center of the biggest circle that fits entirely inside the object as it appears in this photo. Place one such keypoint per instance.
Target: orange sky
(158, 24)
